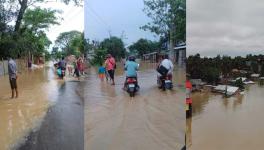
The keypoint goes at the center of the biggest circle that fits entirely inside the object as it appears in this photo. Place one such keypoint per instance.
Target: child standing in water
(101, 72)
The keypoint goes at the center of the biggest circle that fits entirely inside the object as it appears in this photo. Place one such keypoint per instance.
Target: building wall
(178, 56)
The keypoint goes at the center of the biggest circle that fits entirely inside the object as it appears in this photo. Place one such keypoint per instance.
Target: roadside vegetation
(168, 22)
(211, 70)
(23, 28)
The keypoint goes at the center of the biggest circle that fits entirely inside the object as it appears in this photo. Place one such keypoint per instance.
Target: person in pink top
(110, 67)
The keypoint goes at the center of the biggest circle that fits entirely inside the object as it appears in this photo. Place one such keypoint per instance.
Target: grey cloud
(232, 27)
(101, 16)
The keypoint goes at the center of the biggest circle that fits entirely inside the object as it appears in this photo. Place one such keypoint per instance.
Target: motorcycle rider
(62, 65)
(167, 63)
(131, 67)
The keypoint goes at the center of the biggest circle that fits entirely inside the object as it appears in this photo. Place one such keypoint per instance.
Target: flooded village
(224, 102)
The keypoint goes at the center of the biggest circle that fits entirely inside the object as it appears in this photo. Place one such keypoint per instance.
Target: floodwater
(153, 119)
(21, 115)
(234, 123)
(47, 112)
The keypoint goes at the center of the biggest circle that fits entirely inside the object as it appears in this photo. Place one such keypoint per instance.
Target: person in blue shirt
(131, 68)
(101, 72)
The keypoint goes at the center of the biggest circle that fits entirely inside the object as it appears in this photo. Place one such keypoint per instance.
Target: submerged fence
(21, 64)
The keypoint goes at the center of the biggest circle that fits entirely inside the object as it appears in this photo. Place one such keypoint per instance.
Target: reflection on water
(151, 120)
(20, 116)
(227, 123)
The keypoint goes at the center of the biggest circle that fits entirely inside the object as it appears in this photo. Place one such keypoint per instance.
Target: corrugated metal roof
(230, 89)
(180, 47)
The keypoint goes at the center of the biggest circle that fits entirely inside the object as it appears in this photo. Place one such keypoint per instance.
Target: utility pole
(171, 39)
(110, 34)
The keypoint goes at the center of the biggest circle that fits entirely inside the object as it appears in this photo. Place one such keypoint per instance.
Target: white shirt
(168, 65)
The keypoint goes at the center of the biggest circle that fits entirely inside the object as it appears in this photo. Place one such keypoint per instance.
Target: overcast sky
(115, 16)
(230, 27)
(72, 19)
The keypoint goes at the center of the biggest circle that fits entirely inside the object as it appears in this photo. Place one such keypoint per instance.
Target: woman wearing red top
(110, 67)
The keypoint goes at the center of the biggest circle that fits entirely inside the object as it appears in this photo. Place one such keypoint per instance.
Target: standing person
(106, 72)
(79, 65)
(12, 71)
(76, 70)
(110, 67)
(101, 72)
(69, 67)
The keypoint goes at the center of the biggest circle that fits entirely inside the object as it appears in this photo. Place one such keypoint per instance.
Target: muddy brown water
(153, 119)
(227, 123)
(19, 116)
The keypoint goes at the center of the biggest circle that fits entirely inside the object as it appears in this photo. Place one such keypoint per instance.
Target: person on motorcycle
(131, 68)
(167, 63)
(62, 66)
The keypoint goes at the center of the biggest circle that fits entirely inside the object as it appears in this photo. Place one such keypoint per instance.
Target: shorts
(13, 83)
(101, 75)
(111, 73)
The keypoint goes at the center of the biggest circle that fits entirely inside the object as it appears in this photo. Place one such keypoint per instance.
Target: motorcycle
(164, 82)
(131, 86)
(61, 73)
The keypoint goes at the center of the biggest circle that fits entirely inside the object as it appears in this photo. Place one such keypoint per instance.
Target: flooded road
(39, 108)
(62, 127)
(153, 119)
(49, 113)
(227, 123)
(20, 116)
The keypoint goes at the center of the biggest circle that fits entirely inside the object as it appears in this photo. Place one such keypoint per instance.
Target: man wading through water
(12, 71)
(110, 67)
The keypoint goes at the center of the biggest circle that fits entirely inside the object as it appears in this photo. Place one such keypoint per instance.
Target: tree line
(23, 27)
(210, 69)
(69, 43)
(168, 21)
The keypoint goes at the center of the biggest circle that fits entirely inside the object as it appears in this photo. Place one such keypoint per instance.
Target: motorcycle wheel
(163, 88)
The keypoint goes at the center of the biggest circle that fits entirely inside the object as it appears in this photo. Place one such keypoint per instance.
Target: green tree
(143, 46)
(262, 70)
(226, 67)
(77, 45)
(69, 41)
(56, 54)
(39, 19)
(88, 46)
(99, 56)
(254, 66)
(114, 46)
(212, 75)
(21, 23)
(33, 37)
(23, 6)
(168, 18)
(194, 66)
